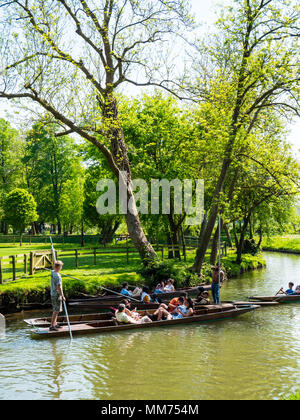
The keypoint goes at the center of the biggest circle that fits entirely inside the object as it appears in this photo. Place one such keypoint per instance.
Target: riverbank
(110, 271)
(284, 243)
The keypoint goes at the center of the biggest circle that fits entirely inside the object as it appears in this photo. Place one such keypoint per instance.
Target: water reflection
(255, 356)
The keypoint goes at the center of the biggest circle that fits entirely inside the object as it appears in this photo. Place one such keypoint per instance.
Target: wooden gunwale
(94, 328)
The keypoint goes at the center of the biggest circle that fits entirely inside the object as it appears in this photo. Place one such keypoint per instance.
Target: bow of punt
(277, 298)
(214, 313)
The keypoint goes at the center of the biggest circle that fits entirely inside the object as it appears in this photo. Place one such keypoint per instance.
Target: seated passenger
(202, 297)
(159, 289)
(129, 311)
(297, 290)
(184, 309)
(145, 298)
(123, 318)
(175, 302)
(126, 292)
(169, 288)
(290, 290)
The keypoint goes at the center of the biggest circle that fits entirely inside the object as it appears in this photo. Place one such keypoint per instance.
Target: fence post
(31, 272)
(162, 252)
(13, 262)
(95, 256)
(25, 263)
(30, 239)
(127, 251)
(76, 258)
(1, 278)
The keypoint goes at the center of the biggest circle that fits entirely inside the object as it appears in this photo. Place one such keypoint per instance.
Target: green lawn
(111, 270)
(283, 243)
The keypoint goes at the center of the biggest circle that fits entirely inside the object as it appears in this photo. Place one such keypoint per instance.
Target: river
(255, 356)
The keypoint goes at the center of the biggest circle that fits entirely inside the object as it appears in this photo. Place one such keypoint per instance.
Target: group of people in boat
(290, 291)
(178, 308)
(144, 292)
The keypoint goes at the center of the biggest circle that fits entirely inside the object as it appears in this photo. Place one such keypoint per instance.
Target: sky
(206, 12)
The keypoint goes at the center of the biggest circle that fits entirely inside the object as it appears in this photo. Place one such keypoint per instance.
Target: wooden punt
(260, 303)
(112, 299)
(277, 298)
(84, 318)
(212, 313)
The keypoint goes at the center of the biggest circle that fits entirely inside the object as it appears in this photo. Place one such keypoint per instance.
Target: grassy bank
(111, 271)
(283, 243)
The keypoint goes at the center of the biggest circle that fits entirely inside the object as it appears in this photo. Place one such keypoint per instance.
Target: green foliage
(11, 148)
(20, 209)
(249, 262)
(106, 225)
(158, 271)
(54, 173)
(290, 243)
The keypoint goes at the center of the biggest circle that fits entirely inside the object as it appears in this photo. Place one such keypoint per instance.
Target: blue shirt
(290, 292)
(125, 292)
(157, 291)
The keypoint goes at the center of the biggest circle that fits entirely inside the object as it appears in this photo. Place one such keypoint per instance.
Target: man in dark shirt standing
(217, 279)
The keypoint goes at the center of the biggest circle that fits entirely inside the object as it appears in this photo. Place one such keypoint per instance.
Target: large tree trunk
(201, 251)
(82, 235)
(215, 243)
(174, 228)
(227, 231)
(242, 240)
(170, 247)
(121, 163)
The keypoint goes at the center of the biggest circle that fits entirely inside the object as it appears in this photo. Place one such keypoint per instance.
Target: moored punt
(277, 298)
(207, 313)
(114, 299)
(84, 318)
(259, 303)
(104, 306)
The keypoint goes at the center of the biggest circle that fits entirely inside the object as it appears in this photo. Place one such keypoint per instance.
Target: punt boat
(207, 313)
(277, 298)
(112, 298)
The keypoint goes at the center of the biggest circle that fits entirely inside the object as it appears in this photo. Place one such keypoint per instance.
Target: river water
(255, 356)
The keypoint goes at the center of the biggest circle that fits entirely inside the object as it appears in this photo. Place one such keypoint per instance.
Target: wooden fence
(17, 266)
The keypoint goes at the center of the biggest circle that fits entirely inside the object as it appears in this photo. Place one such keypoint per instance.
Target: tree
(11, 168)
(107, 225)
(51, 162)
(163, 143)
(108, 44)
(71, 204)
(249, 68)
(20, 210)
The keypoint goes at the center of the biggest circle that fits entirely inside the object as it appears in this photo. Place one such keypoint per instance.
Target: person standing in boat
(217, 278)
(57, 294)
